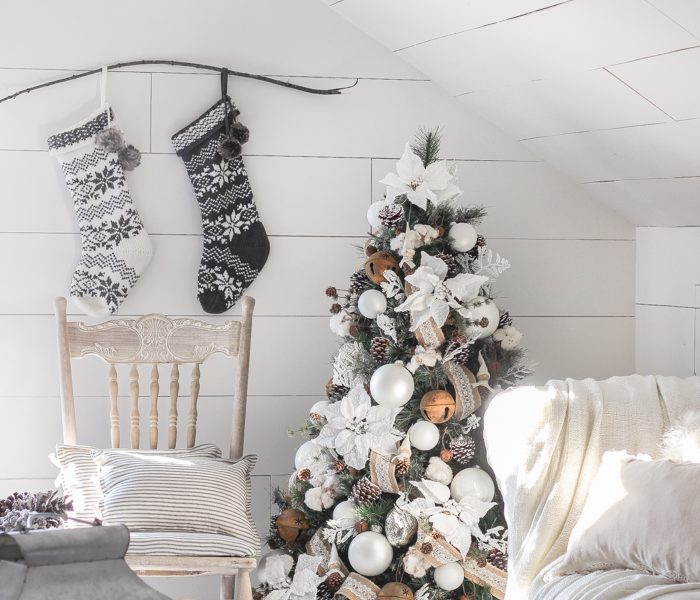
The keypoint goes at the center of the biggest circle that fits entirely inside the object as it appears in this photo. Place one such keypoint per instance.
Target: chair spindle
(135, 416)
(114, 407)
(153, 417)
(172, 415)
(192, 415)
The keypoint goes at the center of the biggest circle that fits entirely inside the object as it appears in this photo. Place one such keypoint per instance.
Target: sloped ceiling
(606, 91)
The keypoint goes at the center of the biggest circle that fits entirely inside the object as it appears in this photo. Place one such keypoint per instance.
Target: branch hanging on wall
(178, 63)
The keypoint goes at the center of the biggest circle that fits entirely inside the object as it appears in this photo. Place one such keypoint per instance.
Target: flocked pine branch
(426, 145)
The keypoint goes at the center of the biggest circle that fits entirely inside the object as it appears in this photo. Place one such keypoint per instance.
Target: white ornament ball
(371, 303)
(391, 385)
(424, 435)
(483, 307)
(449, 576)
(370, 554)
(345, 511)
(373, 212)
(462, 237)
(472, 482)
(306, 453)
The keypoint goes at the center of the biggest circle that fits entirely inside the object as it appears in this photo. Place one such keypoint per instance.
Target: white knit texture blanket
(545, 445)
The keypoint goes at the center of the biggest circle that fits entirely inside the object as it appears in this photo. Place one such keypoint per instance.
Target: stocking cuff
(203, 127)
(82, 132)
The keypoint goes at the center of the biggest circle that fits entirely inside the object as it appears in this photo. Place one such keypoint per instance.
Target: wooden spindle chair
(156, 340)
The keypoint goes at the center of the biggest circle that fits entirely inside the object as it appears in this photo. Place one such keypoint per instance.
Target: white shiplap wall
(313, 162)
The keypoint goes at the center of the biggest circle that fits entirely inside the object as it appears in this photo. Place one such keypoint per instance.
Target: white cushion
(147, 492)
(78, 476)
(185, 543)
(640, 514)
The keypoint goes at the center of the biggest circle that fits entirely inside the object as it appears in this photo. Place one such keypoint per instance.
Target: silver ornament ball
(391, 385)
(462, 237)
(370, 554)
(371, 303)
(400, 527)
(473, 482)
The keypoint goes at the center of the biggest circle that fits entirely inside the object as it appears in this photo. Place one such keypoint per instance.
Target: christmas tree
(392, 496)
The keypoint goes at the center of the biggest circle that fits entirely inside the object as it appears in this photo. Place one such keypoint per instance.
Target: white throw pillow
(682, 441)
(174, 493)
(640, 514)
(78, 476)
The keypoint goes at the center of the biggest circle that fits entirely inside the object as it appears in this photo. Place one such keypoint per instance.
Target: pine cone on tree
(359, 281)
(274, 540)
(335, 580)
(365, 492)
(449, 260)
(498, 559)
(336, 392)
(391, 216)
(324, 592)
(463, 449)
(378, 348)
(402, 466)
(331, 292)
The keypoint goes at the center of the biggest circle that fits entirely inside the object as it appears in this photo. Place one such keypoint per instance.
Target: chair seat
(182, 543)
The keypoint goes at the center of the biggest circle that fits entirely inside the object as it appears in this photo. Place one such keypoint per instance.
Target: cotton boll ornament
(391, 385)
(424, 435)
(472, 482)
(462, 237)
(449, 576)
(307, 453)
(370, 554)
(485, 315)
(371, 303)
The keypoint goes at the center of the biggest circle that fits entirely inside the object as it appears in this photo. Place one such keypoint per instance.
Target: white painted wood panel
(526, 200)
(683, 12)
(401, 23)
(652, 202)
(28, 121)
(665, 340)
(547, 44)
(373, 119)
(579, 102)
(669, 81)
(267, 36)
(654, 151)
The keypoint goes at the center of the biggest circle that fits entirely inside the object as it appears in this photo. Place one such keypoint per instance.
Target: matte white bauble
(345, 511)
(424, 435)
(449, 576)
(462, 237)
(371, 303)
(373, 212)
(472, 482)
(483, 307)
(370, 554)
(391, 385)
(306, 453)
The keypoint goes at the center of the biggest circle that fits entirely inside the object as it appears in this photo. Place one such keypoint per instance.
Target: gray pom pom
(240, 132)
(111, 139)
(229, 148)
(129, 157)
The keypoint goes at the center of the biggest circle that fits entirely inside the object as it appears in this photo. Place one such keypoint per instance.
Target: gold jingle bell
(378, 263)
(437, 406)
(291, 523)
(396, 591)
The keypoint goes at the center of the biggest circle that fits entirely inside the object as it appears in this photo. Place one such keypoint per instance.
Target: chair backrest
(154, 340)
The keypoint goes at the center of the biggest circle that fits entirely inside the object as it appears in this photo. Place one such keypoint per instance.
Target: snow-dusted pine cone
(402, 466)
(324, 592)
(335, 580)
(365, 492)
(378, 348)
(463, 449)
(274, 540)
(461, 356)
(359, 281)
(505, 319)
(336, 392)
(449, 260)
(391, 216)
(498, 559)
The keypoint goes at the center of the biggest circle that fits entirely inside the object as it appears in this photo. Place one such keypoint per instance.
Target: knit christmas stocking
(115, 247)
(235, 243)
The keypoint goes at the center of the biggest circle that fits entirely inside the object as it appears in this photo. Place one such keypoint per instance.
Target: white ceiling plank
(684, 12)
(655, 151)
(670, 81)
(652, 202)
(580, 102)
(401, 23)
(571, 37)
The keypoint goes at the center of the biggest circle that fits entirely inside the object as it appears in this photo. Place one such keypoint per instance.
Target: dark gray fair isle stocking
(235, 243)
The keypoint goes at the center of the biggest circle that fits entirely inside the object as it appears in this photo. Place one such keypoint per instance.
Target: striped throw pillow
(174, 493)
(78, 476)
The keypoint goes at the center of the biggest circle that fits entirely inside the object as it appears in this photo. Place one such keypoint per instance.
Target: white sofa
(545, 444)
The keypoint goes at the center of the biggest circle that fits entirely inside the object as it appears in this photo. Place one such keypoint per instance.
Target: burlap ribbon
(429, 335)
(317, 546)
(357, 587)
(382, 472)
(441, 552)
(467, 396)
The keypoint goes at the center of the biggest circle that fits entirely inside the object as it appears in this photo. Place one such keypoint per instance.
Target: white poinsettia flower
(355, 426)
(418, 183)
(457, 522)
(304, 584)
(434, 295)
